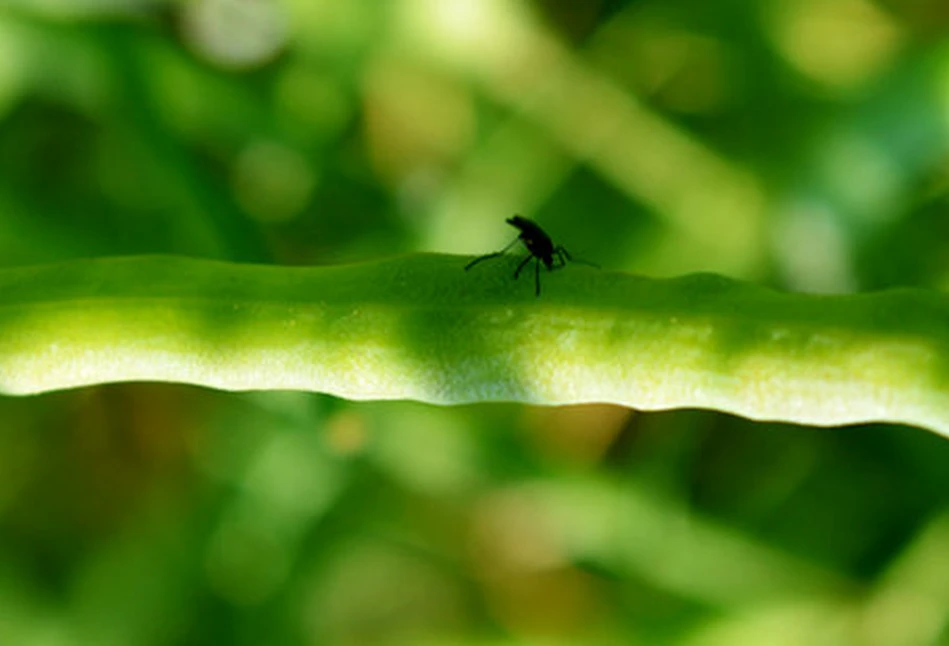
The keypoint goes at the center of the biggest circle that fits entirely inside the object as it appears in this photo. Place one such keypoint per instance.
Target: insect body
(540, 247)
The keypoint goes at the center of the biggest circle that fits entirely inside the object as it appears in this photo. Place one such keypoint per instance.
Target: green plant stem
(419, 327)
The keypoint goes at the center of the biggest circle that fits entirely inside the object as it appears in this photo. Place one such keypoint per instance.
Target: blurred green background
(798, 143)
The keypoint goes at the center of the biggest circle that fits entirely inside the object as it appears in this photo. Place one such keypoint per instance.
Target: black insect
(541, 249)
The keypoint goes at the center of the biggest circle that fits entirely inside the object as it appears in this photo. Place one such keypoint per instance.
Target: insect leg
(521, 266)
(565, 254)
(537, 277)
(561, 254)
(490, 255)
(480, 258)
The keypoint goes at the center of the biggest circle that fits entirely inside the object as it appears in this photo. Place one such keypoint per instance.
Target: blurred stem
(207, 211)
(420, 327)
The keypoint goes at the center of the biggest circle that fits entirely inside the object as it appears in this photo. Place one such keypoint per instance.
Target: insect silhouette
(540, 248)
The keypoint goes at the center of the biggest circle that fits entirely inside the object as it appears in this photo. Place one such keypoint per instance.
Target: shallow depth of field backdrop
(801, 144)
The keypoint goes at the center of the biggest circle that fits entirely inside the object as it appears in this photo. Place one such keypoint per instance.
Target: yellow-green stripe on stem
(419, 327)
